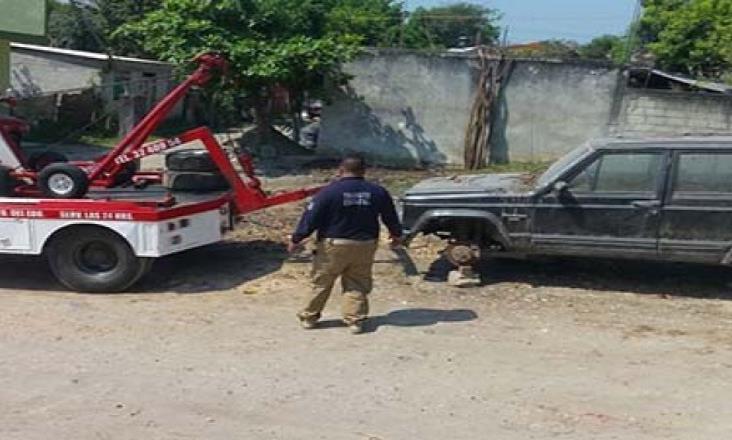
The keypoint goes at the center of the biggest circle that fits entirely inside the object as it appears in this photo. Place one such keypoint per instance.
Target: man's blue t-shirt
(349, 209)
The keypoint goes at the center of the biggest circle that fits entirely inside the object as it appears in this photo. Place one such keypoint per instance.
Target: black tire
(39, 161)
(190, 160)
(195, 182)
(7, 183)
(94, 260)
(63, 181)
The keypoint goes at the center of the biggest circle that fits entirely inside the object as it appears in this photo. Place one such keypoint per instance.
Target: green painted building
(22, 21)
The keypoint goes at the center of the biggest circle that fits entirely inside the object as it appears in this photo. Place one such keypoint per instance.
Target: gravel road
(207, 347)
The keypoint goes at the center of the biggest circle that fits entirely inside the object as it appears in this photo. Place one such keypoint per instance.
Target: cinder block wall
(666, 113)
(402, 108)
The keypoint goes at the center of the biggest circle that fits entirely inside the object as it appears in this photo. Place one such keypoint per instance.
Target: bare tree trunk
(480, 126)
(262, 117)
(296, 104)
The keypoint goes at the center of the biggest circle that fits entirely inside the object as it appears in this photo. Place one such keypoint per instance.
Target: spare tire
(195, 182)
(190, 160)
(63, 181)
(39, 161)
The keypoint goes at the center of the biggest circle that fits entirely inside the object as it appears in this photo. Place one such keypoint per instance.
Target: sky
(533, 20)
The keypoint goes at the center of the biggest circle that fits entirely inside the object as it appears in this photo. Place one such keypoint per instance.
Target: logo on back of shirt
(357, 199)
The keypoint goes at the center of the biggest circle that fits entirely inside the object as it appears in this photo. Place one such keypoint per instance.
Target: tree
(605, 47)
(378, 22)
(269, 43)
(69, 27)
(458, 24)
(88, 25)
(689, 36)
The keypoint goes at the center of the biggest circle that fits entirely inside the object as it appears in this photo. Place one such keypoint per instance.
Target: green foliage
(267, 41)
(451, 26)
(87, 25)
(289, 43)
(690, 36)
(64, 29)
(378, 22)
(606, 47)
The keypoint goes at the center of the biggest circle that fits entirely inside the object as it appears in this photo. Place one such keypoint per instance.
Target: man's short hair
(354, 164)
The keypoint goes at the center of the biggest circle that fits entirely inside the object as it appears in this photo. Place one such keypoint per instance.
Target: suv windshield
(561, 165)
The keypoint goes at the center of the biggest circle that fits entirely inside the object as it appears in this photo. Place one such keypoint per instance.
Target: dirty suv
(660, 199)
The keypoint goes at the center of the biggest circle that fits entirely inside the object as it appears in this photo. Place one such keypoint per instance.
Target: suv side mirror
(560, 188)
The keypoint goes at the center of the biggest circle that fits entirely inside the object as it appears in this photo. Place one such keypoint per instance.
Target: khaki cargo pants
(353, 262)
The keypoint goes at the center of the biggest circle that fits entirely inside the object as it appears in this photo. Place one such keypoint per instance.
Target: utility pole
(633, 31)
(404, 16)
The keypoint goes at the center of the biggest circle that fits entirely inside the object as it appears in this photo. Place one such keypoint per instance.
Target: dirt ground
(208, 347)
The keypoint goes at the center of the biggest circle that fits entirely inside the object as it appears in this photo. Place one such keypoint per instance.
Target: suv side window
(620, 172)
(704, 173)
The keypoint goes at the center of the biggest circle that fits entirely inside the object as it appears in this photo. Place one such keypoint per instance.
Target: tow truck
(101, 224)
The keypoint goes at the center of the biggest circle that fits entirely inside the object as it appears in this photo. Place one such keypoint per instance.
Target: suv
(660, 199)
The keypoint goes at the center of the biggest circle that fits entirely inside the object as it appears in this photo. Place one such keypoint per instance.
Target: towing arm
(208, 65)
(247, 193)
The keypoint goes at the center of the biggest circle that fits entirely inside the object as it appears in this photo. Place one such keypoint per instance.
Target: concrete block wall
(413, 108)
(402, 108)
(550, 108)
(660, 113)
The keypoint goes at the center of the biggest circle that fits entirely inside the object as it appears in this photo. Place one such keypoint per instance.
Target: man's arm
(311, 219)
(389, 216)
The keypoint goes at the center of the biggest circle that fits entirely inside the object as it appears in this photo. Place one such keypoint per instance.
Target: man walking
(345, 216)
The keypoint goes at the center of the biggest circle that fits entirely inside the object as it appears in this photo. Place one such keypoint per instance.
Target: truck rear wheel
(95, 260)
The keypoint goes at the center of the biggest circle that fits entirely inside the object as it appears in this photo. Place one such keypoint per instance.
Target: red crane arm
(208, 65)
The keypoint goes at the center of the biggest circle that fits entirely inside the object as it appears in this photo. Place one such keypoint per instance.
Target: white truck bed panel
(26, 225)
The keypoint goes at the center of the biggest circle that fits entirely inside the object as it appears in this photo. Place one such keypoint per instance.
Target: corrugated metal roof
(84, 54)
(711, 86)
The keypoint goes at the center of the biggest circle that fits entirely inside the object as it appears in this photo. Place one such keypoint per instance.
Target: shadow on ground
(409, 318)
(214, 268)
(640, 277)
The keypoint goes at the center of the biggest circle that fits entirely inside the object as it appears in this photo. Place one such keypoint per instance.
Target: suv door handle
(646, 204)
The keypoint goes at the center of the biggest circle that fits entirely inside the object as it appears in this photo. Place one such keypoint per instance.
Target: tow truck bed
(154, 193)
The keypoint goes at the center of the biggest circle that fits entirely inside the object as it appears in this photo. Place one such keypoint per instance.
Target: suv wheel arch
(432, 220)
